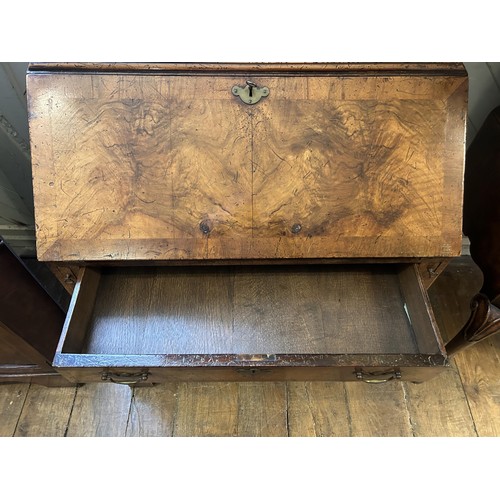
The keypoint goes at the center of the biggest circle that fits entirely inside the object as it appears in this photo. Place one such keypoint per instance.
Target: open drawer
(316, 322)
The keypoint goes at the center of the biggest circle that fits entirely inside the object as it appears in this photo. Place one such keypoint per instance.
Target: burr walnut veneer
(248, 220)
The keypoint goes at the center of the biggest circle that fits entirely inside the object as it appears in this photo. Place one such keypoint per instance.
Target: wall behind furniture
(16, 194)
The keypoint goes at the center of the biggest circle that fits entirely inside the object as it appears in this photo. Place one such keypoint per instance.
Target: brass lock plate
(251, 93)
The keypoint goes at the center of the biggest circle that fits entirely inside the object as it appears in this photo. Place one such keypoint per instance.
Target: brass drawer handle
(379, 377)
(124, 378)
(251, 93)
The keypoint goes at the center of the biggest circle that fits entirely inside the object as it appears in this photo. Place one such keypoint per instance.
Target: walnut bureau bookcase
(248, 221)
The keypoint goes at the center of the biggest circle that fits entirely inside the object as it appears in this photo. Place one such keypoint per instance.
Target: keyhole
(251, 85)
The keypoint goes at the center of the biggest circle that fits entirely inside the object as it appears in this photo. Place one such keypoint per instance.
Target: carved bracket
(483, 322)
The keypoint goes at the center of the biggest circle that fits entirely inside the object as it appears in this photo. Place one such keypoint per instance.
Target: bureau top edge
(362, 69)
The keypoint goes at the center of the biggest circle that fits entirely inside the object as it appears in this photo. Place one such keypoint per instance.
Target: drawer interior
(262, 310)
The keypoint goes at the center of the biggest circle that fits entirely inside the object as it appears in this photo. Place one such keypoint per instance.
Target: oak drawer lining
(246, 311)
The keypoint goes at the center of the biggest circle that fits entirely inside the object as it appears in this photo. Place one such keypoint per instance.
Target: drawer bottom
(148, 325)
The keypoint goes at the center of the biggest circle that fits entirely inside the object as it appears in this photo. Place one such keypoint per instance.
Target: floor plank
(262, 409)
(439, 408)
(479, 368)
(100, 410)
(207, 409)
(318, 409)
(152, 413)
(12, 398)
(378, 410)
(46, 411)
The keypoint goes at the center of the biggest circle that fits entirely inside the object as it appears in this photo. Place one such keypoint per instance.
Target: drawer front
(145, 375)
(177, 167)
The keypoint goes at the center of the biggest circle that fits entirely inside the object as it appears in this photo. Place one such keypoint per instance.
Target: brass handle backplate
(124, 378)
(378, 377)
(251, 93)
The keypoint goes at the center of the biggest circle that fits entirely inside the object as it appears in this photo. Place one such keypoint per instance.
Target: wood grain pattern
(153, 411)
(318, 409)
(439, 407)
(172, 167)
(253, 311)
(357, 173)
(171, 312)
(12, 398)
(378, 410)
(46, 412)
(100, 410)
(262, 409)
(479, 369)
(207, 409)
(419, 309)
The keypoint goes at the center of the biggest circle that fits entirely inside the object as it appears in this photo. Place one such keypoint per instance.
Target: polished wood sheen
(169, 165)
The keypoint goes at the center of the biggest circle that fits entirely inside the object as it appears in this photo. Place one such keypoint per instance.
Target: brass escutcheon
(251, 93)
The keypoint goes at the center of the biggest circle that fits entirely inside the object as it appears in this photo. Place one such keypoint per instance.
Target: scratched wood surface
(153, 411)
(12, 398)
(173, 167)
(318, 409)
(46, 411)
(100, 411)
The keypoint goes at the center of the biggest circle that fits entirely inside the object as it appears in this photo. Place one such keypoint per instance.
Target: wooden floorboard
(318, 409)
(479, 368)
(12, 398)
(464, 401)
(262, 409)
(439, 407)
(378, 410)
(207, 409)
(46, 411)
(153, 410)
(100, 410)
